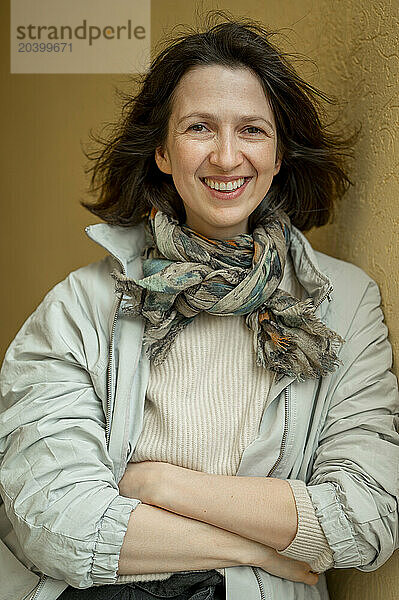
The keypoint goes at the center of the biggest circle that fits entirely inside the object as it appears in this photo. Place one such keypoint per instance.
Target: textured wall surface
(355, 46)
(359, 61)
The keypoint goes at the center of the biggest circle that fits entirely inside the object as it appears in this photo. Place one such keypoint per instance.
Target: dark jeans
(205, 585)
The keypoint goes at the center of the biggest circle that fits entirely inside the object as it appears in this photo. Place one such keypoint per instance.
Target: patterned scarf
(185, 273)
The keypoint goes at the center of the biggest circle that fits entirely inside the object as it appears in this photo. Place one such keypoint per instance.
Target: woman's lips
(224, 195)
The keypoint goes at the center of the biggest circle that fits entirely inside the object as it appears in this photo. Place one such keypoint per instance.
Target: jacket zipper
(110, 352)
(260, 583)
(109, 374)
(272, 470)
(326, 295)
(110, 357)
(39, 587)
(285, 432)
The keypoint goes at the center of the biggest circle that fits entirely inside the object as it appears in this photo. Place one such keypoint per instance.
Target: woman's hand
(144, 480)
(274, 563)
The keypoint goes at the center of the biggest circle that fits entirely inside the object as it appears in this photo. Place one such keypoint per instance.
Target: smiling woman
(209, 411)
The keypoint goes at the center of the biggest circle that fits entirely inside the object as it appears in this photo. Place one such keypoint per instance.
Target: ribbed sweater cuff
(143, 577)
(156, 576)
(310, 544)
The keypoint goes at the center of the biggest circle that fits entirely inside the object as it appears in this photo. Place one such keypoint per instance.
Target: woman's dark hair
(311, 177)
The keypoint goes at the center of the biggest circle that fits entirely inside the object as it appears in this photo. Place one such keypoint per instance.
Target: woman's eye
(254, 130)
(197, 127)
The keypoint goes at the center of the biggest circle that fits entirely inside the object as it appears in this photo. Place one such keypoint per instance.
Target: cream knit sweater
(204, 417)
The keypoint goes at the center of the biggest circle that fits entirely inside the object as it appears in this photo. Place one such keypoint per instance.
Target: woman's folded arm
(159, 541)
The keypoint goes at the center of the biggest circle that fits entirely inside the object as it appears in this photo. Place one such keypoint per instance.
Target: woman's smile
(226, 190)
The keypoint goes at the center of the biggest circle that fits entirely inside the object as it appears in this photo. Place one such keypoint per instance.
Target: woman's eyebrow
(210, 116)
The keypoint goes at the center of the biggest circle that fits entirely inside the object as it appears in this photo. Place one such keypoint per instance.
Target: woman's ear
(162, 160)
(277, 165)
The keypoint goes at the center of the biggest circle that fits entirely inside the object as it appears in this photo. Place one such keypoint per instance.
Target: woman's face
(220, 148)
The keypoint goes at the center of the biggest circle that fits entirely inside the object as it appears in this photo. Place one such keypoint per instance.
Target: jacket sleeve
(56, 476)
(354, 482)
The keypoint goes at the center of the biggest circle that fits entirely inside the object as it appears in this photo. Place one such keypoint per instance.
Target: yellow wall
(46, 117)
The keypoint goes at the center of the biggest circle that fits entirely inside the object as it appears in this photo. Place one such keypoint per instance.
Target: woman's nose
(226, 152)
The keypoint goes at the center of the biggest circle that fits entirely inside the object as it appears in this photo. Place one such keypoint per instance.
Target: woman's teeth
(222, 186)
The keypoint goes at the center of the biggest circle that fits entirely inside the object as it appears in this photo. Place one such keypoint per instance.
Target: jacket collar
(125, 244)
(316, 283)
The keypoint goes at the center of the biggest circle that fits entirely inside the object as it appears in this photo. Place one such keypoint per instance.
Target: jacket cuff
(110, 538)
(335, 525)
(310, 544)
